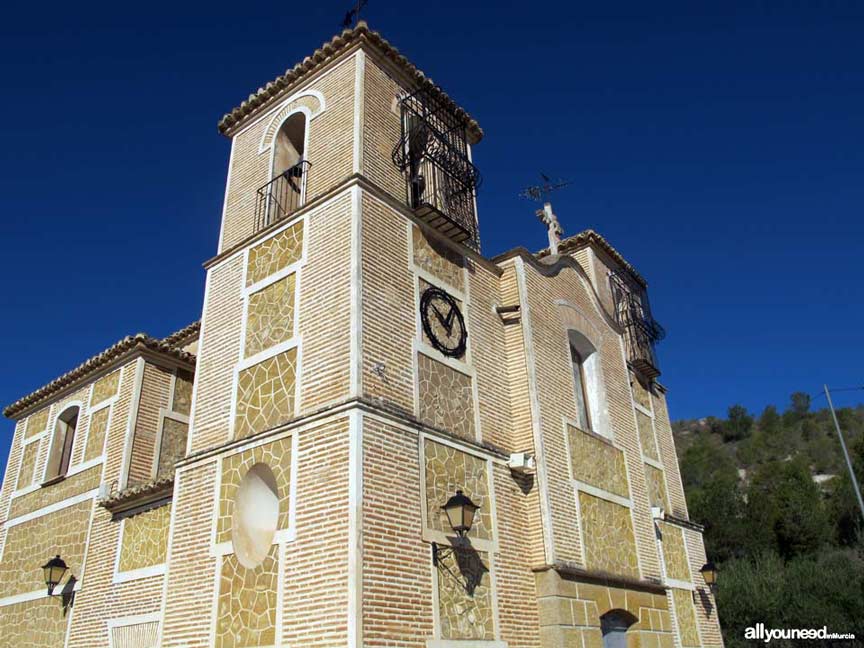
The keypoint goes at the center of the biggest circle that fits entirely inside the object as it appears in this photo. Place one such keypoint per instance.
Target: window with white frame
(588, 388)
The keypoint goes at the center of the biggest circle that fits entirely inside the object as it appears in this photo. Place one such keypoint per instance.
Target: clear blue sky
(719, 148)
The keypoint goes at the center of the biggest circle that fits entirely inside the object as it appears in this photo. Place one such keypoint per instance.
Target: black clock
(443, 322)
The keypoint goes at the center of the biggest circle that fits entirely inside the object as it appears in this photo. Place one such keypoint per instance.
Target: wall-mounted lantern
(709, 573)
(54, 570)
(460, 512)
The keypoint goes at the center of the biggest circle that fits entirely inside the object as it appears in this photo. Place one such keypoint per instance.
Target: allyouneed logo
(760, 632)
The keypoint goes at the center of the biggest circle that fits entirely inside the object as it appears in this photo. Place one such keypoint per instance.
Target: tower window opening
(286, 190)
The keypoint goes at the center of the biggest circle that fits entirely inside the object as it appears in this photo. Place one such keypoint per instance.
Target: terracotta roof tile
(100, 360)
(339, 43)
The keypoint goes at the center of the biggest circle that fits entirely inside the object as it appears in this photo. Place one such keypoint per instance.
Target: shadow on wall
(469, 566)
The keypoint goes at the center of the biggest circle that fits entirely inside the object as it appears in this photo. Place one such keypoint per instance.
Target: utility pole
(845, 453)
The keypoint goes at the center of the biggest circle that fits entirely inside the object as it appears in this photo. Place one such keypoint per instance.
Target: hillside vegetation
(781, 520)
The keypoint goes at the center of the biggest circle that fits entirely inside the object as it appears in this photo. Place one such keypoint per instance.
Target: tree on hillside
(844, 509)
(800, 403)
(785, 512)
(738, 424)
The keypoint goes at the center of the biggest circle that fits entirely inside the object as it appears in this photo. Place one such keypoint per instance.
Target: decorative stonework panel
(145, 539)
(686, 615)
(674, 554)
(656, 487)
(270, 319)
(265, 394)
(96, 433)
(105, 388)
(646, 436)
(275, 253)
(173, 446)
(247, 603)
(277, 456)
(138, 635)
(37, 423)
(607, 535)
(465, 596)
(182, 402)
(28, 465)
(438, 260)
(30, 543)
(640, 391)
(446, 398)
(597, 462)
(449, 470)
(33, 624)
(76, 484)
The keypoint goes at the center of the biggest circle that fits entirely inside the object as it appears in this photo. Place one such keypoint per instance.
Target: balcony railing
(442, 201)
(282, 196)
(641, 330)
(440, 179)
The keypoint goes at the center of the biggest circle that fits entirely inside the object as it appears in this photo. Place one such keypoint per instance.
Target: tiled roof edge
(326, 52)
(589, 236)
(95, 363)
(184, 335)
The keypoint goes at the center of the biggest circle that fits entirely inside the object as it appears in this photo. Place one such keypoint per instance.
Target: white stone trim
(138, 574)
(26, 597)
(200, 350)
(36, 437)
(52, 508)
(272, 128)
(359, 109)
(539, 446)
(163, 604)
(356, 361)
(355, 530)
(465, 643)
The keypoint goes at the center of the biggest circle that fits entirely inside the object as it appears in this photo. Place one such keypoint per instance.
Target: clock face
(443, 322)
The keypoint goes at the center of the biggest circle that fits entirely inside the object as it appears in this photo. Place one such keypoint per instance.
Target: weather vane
(352, 16)
(541, 192)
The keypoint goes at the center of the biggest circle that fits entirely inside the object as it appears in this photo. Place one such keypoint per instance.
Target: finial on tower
(553, 227)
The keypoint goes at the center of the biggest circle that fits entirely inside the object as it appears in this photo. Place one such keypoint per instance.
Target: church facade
(375, 436)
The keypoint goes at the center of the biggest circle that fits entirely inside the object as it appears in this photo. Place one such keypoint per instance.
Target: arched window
(289, 145)
(285, 191)
(614, 625)
(63, 440)
(588, 389)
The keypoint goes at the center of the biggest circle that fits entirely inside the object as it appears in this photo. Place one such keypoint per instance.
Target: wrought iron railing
(641, 330)
(440, 179)
(282, 196)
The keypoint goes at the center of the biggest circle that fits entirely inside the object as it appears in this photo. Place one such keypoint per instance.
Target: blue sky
(718, 146)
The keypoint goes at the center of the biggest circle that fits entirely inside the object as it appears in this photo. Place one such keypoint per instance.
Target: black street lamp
(54, 570)
(709, 573)
(460, 512)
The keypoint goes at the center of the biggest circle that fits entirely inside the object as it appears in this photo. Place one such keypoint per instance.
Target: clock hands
(447, 322)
